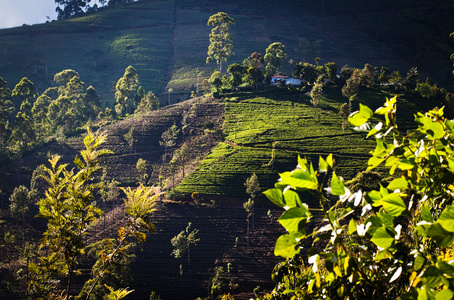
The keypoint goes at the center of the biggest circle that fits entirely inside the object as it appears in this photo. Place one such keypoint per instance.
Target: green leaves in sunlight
(398, 184)
(442, 231)
(299, 180)
(394, 239)
(433, 129)
(446, 219)
(286, 246)
(295, 219)
(392, 203)
(337, 186)
(276, 196)
(383, 237)
(286, 199)
(360, 117)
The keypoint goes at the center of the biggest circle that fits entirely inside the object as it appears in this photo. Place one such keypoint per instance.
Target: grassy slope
(99, 46)
(166, 40)
(252, 125)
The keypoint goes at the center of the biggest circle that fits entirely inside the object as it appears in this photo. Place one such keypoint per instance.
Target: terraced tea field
(287, 122)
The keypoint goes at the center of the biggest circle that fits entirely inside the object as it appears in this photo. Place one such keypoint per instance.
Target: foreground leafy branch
(70, 210)
(140, 205)
(395, 242)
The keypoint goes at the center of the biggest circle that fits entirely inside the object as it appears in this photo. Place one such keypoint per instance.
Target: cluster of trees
(130, 97)
(27, 119)
(257, 69)
(352, 79)
(252, 72)
(66, 106)
(71, 8)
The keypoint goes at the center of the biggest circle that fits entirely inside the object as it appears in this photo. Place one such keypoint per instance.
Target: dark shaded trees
(308, 51)
(70, 105)
(253, 70)
(331, 70)
(24, 91)
(410, 82)
(182, 243)
(23, 134)
(384, 76)
(254, 77)
(19, 201)
(306, 71)
(6, 111)
(39, 114)
(70, 8)
(169, 137)
(255, 60)
(351, 87)
(62, 78)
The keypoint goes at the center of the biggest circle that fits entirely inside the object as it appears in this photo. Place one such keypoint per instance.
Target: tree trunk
(247, 234)
(189, 257)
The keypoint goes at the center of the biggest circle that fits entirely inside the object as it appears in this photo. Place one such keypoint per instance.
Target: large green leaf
(383, 254)
(431, 277)
(322, 165)
(444, 295)
(299, 179)
(433, 128)
(275, 196)
(383, 237)
(291, 218)
(398, 184)
(286, 246)
(446, 219)
(351, 227)
(375, 224)
(292, 199)
(445, 268)
(393, 204)
(406, 164)
(442, 237)
(337, 186)
(419, 262)
(426, 215)
(386, 219)
(360, 117)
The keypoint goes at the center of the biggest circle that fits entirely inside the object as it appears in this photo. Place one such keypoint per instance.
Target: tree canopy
(221, 46)
(275, 55)
(124, 91)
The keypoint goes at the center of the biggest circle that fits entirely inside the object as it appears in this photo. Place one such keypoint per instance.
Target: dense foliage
(381, 244)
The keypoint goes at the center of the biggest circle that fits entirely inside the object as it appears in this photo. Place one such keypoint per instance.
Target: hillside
(229, 137)
(250, 125)
(166, 41)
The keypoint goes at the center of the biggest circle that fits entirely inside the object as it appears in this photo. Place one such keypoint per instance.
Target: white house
(293, 81)
(275, 80)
